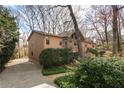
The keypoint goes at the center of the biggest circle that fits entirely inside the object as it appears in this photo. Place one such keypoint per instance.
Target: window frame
(47, 41)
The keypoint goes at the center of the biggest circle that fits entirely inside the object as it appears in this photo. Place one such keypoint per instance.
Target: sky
(24, 29)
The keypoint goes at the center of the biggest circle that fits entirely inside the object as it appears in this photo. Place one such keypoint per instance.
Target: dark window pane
(31, 53)
(65, 42)
(47, 41)
(60, 43)
(75, 43)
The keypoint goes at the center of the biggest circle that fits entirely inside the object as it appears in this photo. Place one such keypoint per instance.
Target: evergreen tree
(8, 36)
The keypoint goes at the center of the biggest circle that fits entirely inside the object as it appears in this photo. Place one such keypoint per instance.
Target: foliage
(54, 70)
(8, 36)
(55, 57)
(100, 72)
(95, 73)
(65, 81)
(102, 52)
(76, 55)
(97, 52)
(94, 51)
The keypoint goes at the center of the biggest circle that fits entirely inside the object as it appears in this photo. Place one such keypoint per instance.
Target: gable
(30, 36)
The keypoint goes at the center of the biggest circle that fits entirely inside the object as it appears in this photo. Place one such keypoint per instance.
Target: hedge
(55, 57)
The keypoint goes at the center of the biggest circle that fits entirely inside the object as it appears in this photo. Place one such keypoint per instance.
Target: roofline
(30, 35)
(47, 34)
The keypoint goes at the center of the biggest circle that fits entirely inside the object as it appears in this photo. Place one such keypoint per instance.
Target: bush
(6, 54)
(76, 55)
(100, 73)
(94, 51)
(65, 82)
(55, 57)
(102, 52)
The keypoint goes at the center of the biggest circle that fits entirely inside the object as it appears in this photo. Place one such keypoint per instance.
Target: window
(65, 42)
(72, 36)
(47, 41)
(75, 37)
(60, 43)
(75, 43)
(31, 53)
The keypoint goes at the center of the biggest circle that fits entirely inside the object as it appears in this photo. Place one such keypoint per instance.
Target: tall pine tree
(8, 36)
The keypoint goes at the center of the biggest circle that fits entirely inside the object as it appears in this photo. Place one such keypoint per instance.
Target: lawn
(54, 70)
(60, 69)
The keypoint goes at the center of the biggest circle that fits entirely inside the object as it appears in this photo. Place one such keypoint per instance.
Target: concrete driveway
(23, 74)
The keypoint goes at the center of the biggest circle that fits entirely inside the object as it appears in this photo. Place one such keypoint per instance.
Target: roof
(69, 33)
(43, 33)
(66, 33)
(60, 35)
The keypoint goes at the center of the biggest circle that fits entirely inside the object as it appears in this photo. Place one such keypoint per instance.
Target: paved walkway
(23, 74)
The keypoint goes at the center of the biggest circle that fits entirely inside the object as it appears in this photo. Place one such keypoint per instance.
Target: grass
(65, 81)
(60, 69)
(54, 70)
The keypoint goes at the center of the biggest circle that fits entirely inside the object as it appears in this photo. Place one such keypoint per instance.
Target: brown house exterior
(39, 41)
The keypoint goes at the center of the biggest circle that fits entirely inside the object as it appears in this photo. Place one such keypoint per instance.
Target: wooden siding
(54, 42)
(35, 46)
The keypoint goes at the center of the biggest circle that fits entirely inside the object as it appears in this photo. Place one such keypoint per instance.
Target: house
(39, 41)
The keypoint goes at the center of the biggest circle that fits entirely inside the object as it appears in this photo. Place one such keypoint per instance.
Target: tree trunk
(106, 35)
(119, 43)
(78, 33)
(19, 54)
(115, 30)
(98, 33)
(119, 36)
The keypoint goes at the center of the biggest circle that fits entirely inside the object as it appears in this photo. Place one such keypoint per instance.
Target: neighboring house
(39, 41)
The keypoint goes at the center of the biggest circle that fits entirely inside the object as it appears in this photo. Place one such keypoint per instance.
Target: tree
(8, 36)
(116, 30)
(104, 15)
(92, 20)
(99, 18)
(77, 30)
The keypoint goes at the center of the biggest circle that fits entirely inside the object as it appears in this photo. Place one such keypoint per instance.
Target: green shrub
(54, 70)
(100, 72)
(55, 57)
(6, 54)
(94, 51)
(76, 55)
(101, 53)
(65, 82)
